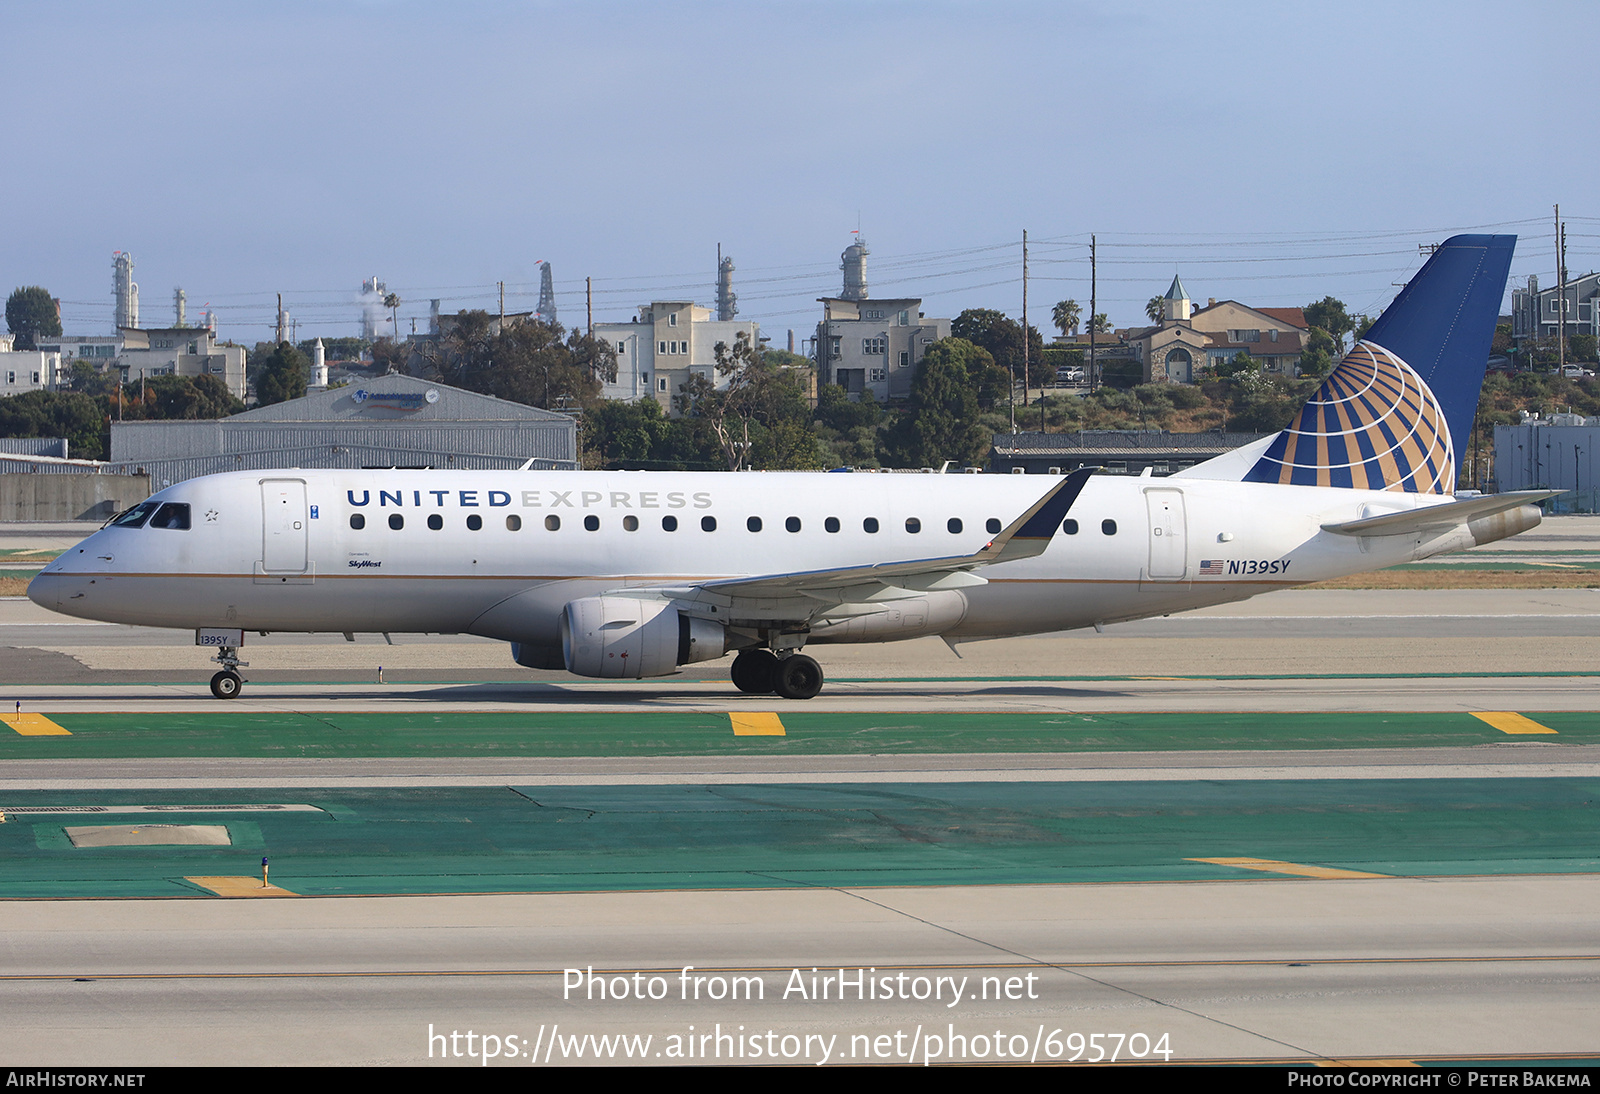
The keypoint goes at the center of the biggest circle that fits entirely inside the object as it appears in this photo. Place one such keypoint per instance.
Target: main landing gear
(762, 672)
(228, 683)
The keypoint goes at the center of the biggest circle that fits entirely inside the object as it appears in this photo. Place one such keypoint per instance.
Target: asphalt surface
(1487, 948)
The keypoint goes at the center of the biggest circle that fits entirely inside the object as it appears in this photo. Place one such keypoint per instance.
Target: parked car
(1576, 372)
(1071, 374)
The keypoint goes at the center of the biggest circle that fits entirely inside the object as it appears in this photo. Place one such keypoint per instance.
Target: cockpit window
(135, 517)
(173, 515)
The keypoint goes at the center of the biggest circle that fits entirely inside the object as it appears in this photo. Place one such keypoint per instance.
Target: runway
(1279, 835)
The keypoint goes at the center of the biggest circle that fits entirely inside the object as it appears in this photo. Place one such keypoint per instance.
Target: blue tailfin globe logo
(1372, 425)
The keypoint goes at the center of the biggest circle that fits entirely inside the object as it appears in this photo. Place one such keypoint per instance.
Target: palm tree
(1065, 316)
(1155, 308)
(392, 302)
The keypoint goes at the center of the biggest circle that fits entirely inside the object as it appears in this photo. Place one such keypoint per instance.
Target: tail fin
(1387, 418)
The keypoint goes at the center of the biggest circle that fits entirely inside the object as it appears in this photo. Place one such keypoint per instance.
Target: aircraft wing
(1447, 515)
(804, 593)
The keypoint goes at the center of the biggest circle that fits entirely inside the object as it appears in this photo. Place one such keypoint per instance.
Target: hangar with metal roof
(390, 421)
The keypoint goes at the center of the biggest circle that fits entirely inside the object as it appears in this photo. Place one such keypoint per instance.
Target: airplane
(633, 574)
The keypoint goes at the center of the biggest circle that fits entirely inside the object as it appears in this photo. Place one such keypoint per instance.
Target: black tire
(799, 677)
(755, 672)
(226, 685)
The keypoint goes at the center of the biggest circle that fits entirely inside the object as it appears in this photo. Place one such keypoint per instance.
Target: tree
(757, 399)
(942, 420)
(1100, 324)
(280, 375)
(1001, 336)
(31, 314)
(392, 302)
(1065, 316)
(69, 414)
(1329, 314)
(1155, 308)
(1318, 357)
(526, 362)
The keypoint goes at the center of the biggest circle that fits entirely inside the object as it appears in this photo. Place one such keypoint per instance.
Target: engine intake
(619, 637)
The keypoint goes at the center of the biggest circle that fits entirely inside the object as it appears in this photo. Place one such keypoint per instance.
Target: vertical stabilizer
(1391, 415)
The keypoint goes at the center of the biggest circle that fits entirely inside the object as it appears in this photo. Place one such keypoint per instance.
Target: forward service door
(1169, 538)
(284, 526)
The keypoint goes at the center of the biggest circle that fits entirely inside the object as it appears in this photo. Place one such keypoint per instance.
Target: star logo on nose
(211, 516)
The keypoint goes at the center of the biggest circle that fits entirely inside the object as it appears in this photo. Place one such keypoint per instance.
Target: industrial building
(1537, 313)
(872, 345)
(1554, 453)
(664, 345)
(393, 421)
(166, 351)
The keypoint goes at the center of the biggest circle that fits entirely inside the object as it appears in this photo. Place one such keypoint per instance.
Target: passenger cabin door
(1169, 539)
(283, 524)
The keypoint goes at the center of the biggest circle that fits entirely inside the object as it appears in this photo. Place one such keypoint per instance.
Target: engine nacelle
(908, 617)
(619, 637)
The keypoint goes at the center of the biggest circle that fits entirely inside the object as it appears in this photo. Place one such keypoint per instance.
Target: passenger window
(513, 523)
(669, 524)
(591, 522)
(474, 522)
(357, 521)
(1069, 526)
(552, 523)
(753, 523)
(173, 515)
(913, 525)
(993, 525)
(435, 521)
(630, 523)
(708, 524)
(870, 525)
(792, 524)
(1109, 527)
(831, 524)
(396, 521)
(954, 524)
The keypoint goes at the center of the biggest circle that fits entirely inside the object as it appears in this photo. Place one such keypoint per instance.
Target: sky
(1272, 153)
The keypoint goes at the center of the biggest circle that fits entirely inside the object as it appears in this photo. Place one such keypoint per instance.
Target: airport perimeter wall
(68, 496)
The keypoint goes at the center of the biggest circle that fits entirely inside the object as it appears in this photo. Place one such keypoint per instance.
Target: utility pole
(1561, 291)
(1094, 373)
(502, 303)
(588, 296)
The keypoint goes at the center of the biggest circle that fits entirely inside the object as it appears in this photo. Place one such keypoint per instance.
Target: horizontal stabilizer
(1438, 516)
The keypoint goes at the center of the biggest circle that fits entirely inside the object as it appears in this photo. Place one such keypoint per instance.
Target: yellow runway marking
(756, 725)
(239, 886)
(34, 725)
(1507, 722)
(1270, 866)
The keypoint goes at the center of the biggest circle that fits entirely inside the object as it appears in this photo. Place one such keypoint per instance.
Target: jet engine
(616, 636)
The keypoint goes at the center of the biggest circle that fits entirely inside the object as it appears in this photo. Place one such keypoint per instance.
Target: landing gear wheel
(799, 677)
(755, 672)
(226, 685)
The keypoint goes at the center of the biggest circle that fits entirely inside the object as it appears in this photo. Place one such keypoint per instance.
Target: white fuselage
(277, 551)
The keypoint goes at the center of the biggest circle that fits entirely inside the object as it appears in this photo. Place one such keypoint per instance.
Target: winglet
(1032, 532)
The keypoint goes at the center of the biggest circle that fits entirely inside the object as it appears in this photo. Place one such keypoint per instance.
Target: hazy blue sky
(1269, 152)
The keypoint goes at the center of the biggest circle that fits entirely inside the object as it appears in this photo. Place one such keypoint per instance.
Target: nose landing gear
(228, 683)
(762, 672)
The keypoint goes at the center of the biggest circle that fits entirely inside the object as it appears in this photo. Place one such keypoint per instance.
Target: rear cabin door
(1169, 540)
(283, 524)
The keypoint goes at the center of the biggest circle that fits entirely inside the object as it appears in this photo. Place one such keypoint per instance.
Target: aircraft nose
(42, 590)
